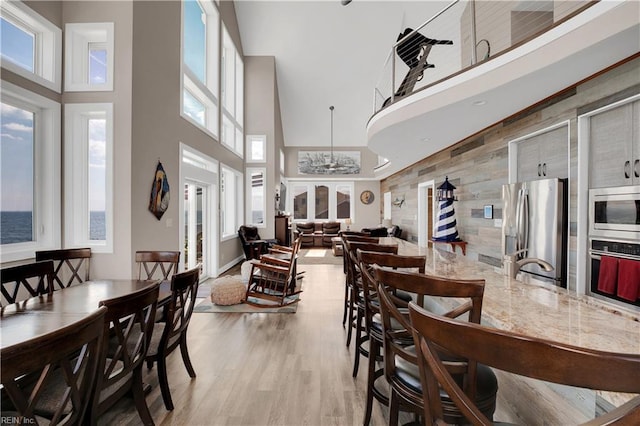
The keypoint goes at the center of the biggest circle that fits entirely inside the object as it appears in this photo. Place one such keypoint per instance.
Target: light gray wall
(158, 127)
(117, 264)
(262, 117)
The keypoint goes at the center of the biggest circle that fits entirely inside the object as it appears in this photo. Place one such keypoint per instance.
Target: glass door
(195, 200)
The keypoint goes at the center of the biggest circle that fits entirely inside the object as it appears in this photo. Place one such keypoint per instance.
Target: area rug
(318, 256)
(205, 306)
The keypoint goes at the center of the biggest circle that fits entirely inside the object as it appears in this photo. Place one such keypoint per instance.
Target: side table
(336, 246)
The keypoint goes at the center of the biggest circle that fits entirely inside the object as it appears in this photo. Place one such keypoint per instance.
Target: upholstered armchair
(252, 244)
(329, 230)
(305, 231)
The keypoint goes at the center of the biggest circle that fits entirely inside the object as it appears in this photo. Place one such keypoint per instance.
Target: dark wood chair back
(71, 265)
(53, 375)
(157, 265)
(397, 330)
(518, 354)
(24, 281)
(172, 333)
(128, 327)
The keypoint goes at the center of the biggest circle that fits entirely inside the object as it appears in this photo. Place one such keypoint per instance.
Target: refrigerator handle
(519, 223)
(525, 220)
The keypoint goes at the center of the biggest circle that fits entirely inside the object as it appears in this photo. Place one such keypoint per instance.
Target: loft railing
(462, 35)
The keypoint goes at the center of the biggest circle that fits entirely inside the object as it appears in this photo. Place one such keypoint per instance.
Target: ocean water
(17, 227)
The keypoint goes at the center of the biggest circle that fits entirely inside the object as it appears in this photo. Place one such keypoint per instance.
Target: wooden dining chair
(70, 265)
(172, 333)
(157, 265)
(50, 378)
(518, 354)
(128, 327)
(400, 360)
(24, 281)
(372, 319)
(355, 304)
(352, 236)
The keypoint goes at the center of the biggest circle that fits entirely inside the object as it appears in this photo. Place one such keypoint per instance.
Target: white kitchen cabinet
(614, 147)
(543, 155)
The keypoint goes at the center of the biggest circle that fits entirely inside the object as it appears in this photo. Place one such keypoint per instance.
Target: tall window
(232, 96)
(330, 201)
(256, 197)
(30, 45)
(88, 176)
(200, 59)
(29, 173)
(300, 202)
(230, 201)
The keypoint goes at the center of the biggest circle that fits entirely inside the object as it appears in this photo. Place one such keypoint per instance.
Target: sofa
(317, 234)
(381, 231)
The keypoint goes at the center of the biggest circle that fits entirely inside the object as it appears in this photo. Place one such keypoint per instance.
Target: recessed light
(479, 103)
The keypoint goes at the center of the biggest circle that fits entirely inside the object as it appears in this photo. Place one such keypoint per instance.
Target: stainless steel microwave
(615, 212)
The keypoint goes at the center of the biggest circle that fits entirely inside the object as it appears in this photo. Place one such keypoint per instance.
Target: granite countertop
(536, 308)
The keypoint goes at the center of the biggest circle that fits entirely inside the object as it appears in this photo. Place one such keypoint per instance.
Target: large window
(30, 45)
(200, 60)
(232, 96)
(89, 176)
(330, 201)
(29, 173)
(230, 201)
(256, 197)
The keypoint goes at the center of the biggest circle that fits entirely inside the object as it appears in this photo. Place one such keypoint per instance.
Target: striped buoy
(445, 229)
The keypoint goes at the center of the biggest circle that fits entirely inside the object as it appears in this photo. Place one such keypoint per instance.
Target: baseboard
(227, 266)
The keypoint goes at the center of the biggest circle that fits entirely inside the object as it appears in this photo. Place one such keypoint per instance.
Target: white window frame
(281, 161)
(333, 199)
(232, 103)
(251, 139)
(76, 175)
(48, 45)
(47, 194)
(248, 191)
(79, 38)
(205, 92)
(237, 213)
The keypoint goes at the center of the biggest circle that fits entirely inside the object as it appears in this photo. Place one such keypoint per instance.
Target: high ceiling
(327, 54)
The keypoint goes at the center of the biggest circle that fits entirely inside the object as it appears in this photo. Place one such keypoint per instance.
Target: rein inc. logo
(12, 418)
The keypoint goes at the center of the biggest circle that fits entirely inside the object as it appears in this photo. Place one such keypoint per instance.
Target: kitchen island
(532, 307)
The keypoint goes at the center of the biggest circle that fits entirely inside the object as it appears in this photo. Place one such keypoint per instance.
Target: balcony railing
(462, 35)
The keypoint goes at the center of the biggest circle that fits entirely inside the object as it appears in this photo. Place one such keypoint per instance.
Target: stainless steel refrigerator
(534, 225)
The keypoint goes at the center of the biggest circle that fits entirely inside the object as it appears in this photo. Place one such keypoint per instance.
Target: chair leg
(346, 303)
(164, 383)
(394, 409)
(373, 354)
(185, 356)
(139, 399)
(359, 341)
(350, 316)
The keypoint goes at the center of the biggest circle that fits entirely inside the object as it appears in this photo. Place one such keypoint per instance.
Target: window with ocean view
(30, 179)
(88, 178)
(16, 174)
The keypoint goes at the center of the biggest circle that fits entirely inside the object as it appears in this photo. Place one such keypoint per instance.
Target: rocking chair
(273, 280)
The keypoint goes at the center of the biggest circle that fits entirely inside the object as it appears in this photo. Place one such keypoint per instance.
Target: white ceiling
(327, 54)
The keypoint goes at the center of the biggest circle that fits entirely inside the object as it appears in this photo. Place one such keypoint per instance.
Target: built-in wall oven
(614, 245)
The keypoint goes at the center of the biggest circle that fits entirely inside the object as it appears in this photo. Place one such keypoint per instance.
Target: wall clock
(366, 197)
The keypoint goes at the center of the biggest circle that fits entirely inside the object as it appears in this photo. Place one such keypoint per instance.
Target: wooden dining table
(22, 321)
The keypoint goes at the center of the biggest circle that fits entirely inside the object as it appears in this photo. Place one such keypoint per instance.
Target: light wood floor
(266, 369)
